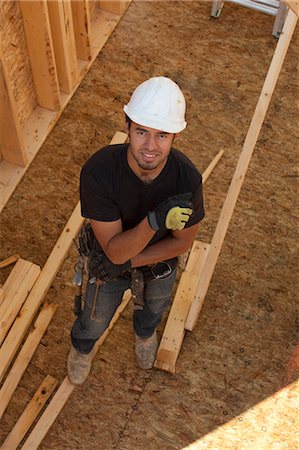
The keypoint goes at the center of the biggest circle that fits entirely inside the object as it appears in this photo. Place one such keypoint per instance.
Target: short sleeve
(97, 198)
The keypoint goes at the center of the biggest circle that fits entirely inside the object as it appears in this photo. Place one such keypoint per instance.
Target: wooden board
(294, 5)
(81, 19)
(24, 357)
(16, 288)
(11, 139)
(114, 6)
(8, 261)
(61, 20)
(41, 53)
(30, 413)
(174, 330)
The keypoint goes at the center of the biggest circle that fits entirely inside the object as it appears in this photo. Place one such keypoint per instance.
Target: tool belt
(88, 247)
(142, 274)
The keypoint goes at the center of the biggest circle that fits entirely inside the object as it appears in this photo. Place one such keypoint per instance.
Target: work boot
(145, 350)
(78, 366)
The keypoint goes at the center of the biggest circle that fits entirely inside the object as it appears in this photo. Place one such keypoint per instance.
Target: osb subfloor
(242, 350)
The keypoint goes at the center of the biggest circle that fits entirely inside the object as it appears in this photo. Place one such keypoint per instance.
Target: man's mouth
(149, 156)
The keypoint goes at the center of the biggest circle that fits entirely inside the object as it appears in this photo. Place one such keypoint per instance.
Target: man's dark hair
(128, 120)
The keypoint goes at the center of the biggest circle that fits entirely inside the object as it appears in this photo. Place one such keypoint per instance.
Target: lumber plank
(11, 139)
(294, 5)
(16, 288)
(212, 166)
(114, 6)
(43, 282)
(65, 390)
(241, 168)
(174, 330)
(41, 53)
(81, 20)
(2, 294)
(30, 413)
(8, 261)
(24, 357)
(61, 20)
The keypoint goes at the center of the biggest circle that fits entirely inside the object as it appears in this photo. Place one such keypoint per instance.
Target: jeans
(157, 298)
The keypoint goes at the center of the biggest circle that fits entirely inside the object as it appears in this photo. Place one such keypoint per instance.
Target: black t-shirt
(110, 190)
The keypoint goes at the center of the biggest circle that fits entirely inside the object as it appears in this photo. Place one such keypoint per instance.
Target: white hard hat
(158, 103)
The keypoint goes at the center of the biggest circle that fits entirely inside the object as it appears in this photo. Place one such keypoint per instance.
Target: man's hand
(172, 214)
(101, 268)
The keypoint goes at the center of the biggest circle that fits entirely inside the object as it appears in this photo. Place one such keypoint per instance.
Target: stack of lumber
(14, 295)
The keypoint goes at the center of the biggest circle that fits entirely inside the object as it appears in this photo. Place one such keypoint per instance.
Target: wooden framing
(41, 53)
(61, 20)
(81, 18)
(63, 39)
(12, 146)
(29, 415)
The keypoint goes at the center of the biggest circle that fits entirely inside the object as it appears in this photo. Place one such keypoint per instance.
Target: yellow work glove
(172, 214)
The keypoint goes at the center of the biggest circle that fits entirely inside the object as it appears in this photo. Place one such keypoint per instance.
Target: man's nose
(151, 142)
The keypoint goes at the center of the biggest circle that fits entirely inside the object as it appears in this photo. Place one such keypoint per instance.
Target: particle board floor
(242, 352)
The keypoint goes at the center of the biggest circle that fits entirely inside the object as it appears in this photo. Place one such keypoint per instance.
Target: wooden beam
(114, 6)
(174, 330)
(43, 282)
(242, 165)
(30, 413)
(65, 390)
(2, 293)
(41, 54)
(212, 166)
(294, 5)
(61, 20)
(24, 357)
(81, 19)
(16, 288)
(11, 139)
(8, 261)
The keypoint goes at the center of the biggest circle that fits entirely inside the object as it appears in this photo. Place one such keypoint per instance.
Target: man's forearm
(124, 245)
(167, 248)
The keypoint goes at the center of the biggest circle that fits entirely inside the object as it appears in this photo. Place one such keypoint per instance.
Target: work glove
(172, 214)
(101, 268)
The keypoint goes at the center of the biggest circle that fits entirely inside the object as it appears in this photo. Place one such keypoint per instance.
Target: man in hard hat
(144, 202)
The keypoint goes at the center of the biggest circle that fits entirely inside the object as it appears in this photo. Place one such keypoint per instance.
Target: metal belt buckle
(161, 270)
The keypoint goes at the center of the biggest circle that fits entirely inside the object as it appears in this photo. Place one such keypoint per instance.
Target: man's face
(149, 149)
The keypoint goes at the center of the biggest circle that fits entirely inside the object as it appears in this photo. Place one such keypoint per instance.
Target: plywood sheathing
(239, 353)
(17, 59)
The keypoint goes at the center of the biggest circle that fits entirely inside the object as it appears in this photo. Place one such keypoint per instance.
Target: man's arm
(121, 246)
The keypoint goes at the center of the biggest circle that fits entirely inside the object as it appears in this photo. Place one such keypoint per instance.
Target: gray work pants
(157, 297)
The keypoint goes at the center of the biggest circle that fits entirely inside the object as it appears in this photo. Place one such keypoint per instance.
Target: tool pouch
(86, 245)
(137, 288)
